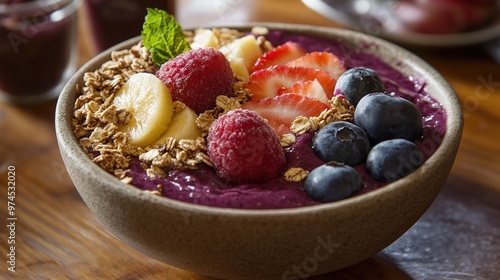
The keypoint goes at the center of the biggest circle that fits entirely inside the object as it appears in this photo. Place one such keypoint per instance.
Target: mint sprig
(162, 36)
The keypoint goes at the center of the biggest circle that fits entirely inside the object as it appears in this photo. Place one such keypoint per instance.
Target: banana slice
(204, 39)
(182, 126)
(239, 68)
(242, 54)
(150, 102)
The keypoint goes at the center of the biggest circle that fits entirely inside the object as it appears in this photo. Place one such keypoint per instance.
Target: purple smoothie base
(203, 187)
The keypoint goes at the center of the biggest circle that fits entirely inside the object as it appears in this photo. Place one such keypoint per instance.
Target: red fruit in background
(441, 16)
(279, 56)
(281, 111)
(244, 149)
(197, 77)
(269, 82)
(430, 19)
(325, 61)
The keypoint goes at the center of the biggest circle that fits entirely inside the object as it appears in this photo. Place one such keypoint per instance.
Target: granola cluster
(96, 121)
(223, 104)
(341, 110)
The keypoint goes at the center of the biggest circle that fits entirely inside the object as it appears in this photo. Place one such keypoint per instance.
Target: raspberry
(244, 149)
(197, 77)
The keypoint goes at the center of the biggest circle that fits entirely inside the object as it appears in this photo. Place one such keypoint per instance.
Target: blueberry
(332, 181)
(393, 159)
(341, 142)
(384, 117)
(358, 82)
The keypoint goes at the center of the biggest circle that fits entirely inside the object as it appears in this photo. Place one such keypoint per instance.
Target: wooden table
(57, 237)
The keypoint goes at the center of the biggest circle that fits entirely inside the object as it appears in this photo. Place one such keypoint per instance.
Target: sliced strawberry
(321, 60)
(311, 89)
(279, 56)
(281, 111)
(268, 82)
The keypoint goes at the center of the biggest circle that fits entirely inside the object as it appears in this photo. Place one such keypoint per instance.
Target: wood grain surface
(57, 237)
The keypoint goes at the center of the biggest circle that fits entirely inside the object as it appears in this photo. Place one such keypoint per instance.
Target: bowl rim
(66, 138)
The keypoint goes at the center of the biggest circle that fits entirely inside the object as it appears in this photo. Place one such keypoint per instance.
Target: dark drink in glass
(110, 22)
(38, 48)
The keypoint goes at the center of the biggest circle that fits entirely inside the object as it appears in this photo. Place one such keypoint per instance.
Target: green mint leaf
(162, 36)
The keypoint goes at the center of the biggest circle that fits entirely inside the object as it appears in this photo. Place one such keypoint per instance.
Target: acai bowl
(233, 243)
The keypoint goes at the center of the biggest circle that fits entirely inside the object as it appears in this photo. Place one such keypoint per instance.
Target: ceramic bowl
(265, 244)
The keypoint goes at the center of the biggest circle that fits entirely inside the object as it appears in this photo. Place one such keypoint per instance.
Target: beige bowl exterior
(265, 244)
